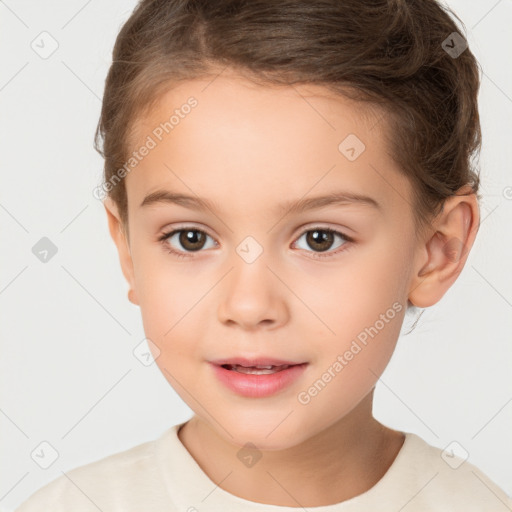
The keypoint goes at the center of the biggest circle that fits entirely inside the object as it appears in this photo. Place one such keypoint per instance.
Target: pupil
(325, 239)
(190, 239)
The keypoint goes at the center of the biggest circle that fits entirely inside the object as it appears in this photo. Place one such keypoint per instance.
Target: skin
(247, 148)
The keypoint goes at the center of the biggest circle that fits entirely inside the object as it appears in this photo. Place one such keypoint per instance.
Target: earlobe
(132, 297)
(123, 247)
(447, 249)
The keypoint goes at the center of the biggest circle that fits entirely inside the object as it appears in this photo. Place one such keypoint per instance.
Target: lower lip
(257, 386)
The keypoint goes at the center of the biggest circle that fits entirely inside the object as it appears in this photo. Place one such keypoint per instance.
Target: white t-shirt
(162, 476)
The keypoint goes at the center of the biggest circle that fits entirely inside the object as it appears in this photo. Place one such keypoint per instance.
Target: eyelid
(342, 230)
(183, 227)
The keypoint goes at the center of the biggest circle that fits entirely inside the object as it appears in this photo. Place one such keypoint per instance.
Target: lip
(257, 386)
(257, 361)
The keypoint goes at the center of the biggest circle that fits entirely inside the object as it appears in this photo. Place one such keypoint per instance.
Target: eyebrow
(292, 206)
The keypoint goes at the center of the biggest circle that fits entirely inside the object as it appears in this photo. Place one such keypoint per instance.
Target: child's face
(248, 150)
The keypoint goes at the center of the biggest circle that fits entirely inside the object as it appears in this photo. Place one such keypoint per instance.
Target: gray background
(68, 373)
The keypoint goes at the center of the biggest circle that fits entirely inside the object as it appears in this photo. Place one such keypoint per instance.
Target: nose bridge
(251, 293)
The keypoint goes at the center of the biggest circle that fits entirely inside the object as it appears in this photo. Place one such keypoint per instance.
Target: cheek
(353, 294)
(165, 289)
(172, 303)
(349, 364)
(361, 306)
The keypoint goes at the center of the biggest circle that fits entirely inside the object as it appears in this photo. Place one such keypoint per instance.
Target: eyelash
(180, 254)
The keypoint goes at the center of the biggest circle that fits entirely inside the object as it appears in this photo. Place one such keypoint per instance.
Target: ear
(441, 259)
(120, 238)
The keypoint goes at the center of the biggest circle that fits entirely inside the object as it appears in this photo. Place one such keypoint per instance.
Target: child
(283, 180)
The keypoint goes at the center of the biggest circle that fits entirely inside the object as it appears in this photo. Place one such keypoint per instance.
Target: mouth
(257, 369)
(256, 362)
(257, 378)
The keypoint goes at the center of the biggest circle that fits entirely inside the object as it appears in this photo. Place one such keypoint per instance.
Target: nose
(252, 297)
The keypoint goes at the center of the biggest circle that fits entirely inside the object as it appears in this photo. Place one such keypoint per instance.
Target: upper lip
(257, 361)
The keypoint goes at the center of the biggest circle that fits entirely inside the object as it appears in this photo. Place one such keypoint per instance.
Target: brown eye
(322, 239)
(183, 241)
(192, 239)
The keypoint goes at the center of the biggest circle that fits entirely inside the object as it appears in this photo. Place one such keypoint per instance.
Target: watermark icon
(351, 147)
(249, 454)
(158, 133)
(507, 192)
(454, 45)
(44, 44)
(454, 455)
(454, 249)
(356, 346)
(144, 355)
(44, 455)
(249, 249)
(44, 250)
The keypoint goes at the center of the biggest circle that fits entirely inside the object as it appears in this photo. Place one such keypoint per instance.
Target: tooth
(258, 370)
(254, 371)
(256, 366)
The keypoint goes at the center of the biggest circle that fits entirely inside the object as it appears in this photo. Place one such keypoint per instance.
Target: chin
(272, 434)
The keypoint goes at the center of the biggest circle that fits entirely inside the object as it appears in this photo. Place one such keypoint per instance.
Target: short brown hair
(389, 54)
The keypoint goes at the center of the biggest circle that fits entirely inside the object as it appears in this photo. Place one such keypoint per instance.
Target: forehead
(262, 142)
(230, 94)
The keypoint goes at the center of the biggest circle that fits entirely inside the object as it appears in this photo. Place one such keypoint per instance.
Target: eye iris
(192, 237)
(313, 238)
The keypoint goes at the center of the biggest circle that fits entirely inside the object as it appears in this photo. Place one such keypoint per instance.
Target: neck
(340, 462)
